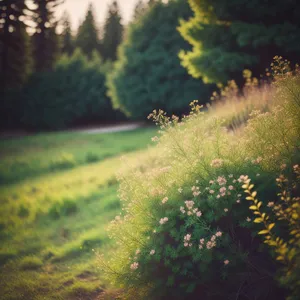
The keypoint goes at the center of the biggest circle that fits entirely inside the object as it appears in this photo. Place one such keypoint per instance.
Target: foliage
(74, 91)
(67, 43)
(285, 214)
(148, 74)
(45, 40)
(185, 230)
(229, 36)
(113, 32)
(15, 52)
(87, 38)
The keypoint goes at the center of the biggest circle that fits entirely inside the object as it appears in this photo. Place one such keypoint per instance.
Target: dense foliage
(148, 74)
(66, 37)
(113, 32)
(186, 231)
(45, 42)
(15, 61)
(228, 36)
(73, 91)
(87, 38)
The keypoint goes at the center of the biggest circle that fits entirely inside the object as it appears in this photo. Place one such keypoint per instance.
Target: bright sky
(77, 10)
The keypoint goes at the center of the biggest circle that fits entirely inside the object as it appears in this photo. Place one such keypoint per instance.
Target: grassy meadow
(58, 191)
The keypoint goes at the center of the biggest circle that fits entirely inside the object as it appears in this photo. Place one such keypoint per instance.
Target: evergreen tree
(14, 44)
(148, 74)
(67, 43)
(87, 37)
(45, 39)
(140, 9)
(113, 32)
(228, 36)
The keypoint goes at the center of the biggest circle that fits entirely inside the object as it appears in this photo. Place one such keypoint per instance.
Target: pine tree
(113, 32)
(14, 44)
(229, 36)
(45, 39)
(87, 37)
(140, 9)
(67, 43)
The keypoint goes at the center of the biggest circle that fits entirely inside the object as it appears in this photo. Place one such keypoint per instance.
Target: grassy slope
(51, 219)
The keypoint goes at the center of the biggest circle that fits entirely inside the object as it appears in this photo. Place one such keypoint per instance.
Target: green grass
(53, 218)
(34, 156)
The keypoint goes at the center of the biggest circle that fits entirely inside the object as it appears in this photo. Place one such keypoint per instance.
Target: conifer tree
(67, 43)
(140, 9)
(14, 44)
(113, 32)
(148, 74)
(229, 36)
(88, 37)
(45, 39)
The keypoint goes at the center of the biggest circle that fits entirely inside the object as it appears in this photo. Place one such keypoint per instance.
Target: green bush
(64, 208)
(30, 263)
(148, 74)
(73, 92)
(186, 230)
(64, 161)
(91, 157)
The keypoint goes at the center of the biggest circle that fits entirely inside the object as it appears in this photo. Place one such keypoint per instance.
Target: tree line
(172, 52)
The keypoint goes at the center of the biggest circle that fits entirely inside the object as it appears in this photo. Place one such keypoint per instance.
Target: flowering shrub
(185, 231)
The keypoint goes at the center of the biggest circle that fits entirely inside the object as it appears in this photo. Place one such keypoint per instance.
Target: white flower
(180, 190)
(134, 266)
(226, 262)
(152, 252)
(165, 200)
(163, 220)
(226, 209)
(137, 251)
(199, 214)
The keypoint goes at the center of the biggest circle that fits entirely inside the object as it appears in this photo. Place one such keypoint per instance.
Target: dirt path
(88, 130)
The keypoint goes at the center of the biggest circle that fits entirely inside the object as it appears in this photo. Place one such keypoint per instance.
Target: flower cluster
(216, 163)
(134, 266)
(210, 243)
(163, 220)
(190, 210)
(165, 200)
(195, 190)
(186, 240)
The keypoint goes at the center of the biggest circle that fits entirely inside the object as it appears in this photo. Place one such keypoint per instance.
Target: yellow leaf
(259, 204)
(249, 198)
(256, 212)
(253, 207)
(254, 194)
(264, 231)
(245, 186)
(251, 186)
(280, 258)
(258, 220)
(271, 226)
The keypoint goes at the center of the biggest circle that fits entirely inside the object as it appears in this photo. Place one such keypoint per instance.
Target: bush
(74, 91)
(91, 157)
(64, 208)
(64, 161)
(30, 263)
(148, 74)
(186, 231)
